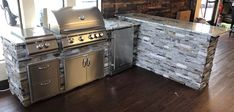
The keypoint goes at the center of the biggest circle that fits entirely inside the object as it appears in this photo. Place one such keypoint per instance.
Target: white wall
(28, 13)
(69, 3)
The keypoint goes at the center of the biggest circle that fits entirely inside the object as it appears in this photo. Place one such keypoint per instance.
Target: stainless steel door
(75, 71)
(95, 65)
(44, 79)
(122, 49)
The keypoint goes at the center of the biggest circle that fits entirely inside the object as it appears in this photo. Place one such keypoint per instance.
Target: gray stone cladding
(177, 54)
(17, 60)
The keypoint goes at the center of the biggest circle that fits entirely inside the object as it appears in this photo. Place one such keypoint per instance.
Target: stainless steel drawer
(44, 89)
(44, 79)
(44, 70)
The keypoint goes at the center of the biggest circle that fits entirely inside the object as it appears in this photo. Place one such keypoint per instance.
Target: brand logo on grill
(82, 17)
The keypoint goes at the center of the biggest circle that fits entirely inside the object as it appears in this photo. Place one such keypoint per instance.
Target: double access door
(81, 69)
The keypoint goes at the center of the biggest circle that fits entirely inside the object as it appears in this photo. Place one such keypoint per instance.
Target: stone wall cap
(184, 25)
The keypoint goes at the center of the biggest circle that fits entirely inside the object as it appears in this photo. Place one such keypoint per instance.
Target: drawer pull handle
(43, 67)
(45, 83)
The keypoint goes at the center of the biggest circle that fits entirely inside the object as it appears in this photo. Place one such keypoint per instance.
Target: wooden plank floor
(138, 90)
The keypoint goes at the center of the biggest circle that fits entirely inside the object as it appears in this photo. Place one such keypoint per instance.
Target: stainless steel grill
(70, 19)
(78, 27)
(83, 39)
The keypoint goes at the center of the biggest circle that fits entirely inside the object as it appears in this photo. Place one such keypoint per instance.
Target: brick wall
(165, 8)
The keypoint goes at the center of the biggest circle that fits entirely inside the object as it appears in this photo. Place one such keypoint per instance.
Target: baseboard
(4, 84)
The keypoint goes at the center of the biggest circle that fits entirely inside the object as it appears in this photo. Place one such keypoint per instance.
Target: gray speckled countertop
(113, 24)
(190, 26)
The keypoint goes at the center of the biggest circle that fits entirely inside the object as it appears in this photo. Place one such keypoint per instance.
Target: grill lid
(71, 19)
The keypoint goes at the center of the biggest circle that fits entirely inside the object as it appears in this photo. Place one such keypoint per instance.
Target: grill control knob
(97, 35)
(101, 34)
(91, 36)
(46, 45)
(71, 40)
(39, 46)
(80, 38)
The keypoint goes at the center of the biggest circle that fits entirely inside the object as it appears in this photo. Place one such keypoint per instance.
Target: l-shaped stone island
(178, 50)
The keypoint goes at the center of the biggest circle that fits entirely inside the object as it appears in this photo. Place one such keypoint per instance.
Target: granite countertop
(113, 24)
(190, 26)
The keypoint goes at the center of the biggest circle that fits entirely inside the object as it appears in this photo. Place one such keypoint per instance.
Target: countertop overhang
(189, 26)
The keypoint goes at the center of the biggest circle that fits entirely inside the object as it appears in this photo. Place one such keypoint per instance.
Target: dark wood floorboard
(138, 90)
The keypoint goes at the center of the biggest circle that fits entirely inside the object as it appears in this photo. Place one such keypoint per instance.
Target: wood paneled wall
(165, 8)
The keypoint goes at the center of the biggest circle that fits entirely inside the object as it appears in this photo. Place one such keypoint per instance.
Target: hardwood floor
(138, 90)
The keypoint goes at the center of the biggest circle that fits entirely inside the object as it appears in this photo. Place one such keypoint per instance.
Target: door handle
(88, 62)
(84, 62)
(45, 83)
(43, 67)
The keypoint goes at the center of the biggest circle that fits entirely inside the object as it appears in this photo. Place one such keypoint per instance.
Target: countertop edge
(122, 16)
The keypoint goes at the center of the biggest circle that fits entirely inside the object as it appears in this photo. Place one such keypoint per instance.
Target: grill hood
(70, 19)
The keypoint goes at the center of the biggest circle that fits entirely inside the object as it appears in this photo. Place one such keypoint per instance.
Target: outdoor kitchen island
(181, 54)
(178, 50)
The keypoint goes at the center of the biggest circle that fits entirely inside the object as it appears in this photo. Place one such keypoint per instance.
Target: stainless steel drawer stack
(44, 79)
(33, 66)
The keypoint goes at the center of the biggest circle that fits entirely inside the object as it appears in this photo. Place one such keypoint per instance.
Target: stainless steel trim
(82, 39)
(114, 52)
(83, 44)
(45, 38)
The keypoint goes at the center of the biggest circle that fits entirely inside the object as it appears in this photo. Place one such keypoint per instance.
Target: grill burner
(38, 40)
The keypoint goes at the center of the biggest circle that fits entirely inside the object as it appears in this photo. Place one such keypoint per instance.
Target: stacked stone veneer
(17, 60)
(177, 54)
